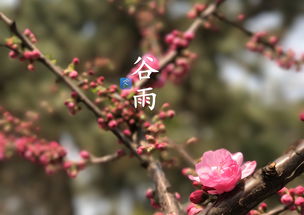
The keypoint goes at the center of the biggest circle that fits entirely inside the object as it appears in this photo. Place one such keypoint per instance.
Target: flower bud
(283, 191)
(299, 201)
(73, 74)
(302, 116)
(286, 199)
(75, 61)
(112, 124)
(85, 155)
(150, 193)
(299, 190)
(197, 196)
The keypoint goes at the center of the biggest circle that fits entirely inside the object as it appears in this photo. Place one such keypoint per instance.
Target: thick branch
(262, 184)
(166, 197)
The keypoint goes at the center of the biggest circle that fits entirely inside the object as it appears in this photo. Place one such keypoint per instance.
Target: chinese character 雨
(144, 74)
(144, 98)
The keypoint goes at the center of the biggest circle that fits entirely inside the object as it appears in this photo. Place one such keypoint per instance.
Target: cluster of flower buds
(11, 124)
(154, 131)
(293, 197)
(150, 194)
(178, 39)
(49, 154)
(70, 70)
(72, 103)
(262, 209)
(266, 44)
(18, 138)
(30, 35)
(177, 70)
(19, 52)
(72, 168)
(120, 113)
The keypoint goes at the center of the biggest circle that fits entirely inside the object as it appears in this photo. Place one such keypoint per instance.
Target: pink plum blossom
(220, 170)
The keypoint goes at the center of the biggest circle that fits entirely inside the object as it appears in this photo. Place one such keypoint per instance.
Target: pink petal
(248, 168)
(214, 158)
(194, 178)
(238, 157)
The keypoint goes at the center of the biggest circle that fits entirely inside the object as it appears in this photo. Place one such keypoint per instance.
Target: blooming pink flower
(221, 170)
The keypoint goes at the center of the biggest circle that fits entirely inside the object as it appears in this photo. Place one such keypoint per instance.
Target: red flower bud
(299, 201)
(302, 116)
(85, 155)
(112, 124)
(197, 196)
(150, 193)
(73, 74)
(286, 199)
(75, 61)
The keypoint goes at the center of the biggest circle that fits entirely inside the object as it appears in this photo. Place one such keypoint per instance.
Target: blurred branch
(262, 184)
(183, 153)
(277, 210)
(169, 202)
(106, 158)
(249, 34)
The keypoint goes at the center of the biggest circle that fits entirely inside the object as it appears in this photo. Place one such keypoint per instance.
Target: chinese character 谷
(144, 74)
(144, 98)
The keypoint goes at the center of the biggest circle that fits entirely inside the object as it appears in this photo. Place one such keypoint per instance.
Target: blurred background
(231, 98)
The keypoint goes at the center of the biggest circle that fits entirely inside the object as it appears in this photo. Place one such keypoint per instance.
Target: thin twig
(249, 33)
(106, 158)
(277, 210)
(183, 153)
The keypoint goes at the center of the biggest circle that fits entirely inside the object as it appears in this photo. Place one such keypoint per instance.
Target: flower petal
(238, 157)
(194, 178)
(248, 168)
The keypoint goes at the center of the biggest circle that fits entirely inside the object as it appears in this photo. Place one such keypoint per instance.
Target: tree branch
(106, 158)
(169, 203)
(262, 184)
(277, 210)
(183, 153)
(171, 55)
(249, 34)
